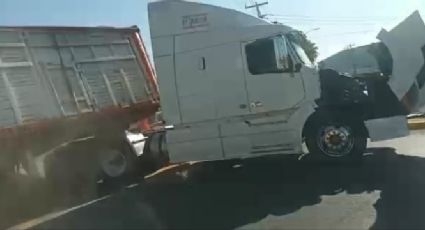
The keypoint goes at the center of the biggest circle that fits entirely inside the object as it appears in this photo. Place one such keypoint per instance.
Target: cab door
(273, 81)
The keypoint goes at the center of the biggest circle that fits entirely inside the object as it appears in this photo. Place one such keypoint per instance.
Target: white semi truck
(236, 86)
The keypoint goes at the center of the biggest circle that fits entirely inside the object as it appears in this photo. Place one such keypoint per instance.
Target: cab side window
(268, 55)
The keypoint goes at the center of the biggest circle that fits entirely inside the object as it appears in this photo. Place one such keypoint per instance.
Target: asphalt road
(386, 191)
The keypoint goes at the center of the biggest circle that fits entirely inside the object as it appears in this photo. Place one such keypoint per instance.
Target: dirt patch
(22, 197)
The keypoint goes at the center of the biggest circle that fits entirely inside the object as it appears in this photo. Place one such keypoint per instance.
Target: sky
(331, 24)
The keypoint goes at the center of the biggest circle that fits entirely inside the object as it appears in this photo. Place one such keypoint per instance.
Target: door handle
(201, 63)
(256, 104)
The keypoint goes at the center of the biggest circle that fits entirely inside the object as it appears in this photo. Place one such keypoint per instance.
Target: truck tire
(117, 163)
(335, 136)
(155, 152)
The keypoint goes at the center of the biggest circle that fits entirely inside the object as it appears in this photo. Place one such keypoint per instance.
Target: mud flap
(406, 43)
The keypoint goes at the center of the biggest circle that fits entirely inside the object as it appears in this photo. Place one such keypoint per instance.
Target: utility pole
(257, 7)
(350, 49)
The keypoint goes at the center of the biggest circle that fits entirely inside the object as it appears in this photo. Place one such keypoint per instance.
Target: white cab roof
(175, 17)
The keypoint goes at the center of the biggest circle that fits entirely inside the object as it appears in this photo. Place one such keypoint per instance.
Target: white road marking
(48, 217)
(132, 185)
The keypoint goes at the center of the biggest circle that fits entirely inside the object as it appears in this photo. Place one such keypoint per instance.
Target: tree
(309, 47)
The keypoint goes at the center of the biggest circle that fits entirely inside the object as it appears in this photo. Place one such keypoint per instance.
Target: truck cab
(236, 86)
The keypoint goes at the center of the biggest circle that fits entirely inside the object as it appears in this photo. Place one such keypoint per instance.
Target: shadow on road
(216, 196)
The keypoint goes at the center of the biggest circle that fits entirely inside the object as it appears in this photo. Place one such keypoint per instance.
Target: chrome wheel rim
(335, 141)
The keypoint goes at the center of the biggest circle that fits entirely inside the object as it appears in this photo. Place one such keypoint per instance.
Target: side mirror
(285, 64)
(290, 67)
(281, 63)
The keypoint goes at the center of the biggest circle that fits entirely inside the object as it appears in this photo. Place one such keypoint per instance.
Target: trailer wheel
(336, 136)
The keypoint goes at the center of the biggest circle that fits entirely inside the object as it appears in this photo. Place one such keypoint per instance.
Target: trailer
(67, 95)
(236, 86)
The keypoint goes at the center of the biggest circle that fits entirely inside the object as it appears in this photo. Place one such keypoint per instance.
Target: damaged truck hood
(406, 44)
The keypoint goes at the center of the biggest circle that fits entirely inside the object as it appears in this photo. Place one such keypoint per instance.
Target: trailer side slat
(54, 72)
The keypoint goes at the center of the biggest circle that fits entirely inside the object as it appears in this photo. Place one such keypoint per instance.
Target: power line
(323, 24)
(308, 17)
(292, 22)
(354, 32)
(346, 33)
(325, 21)
(237, 3)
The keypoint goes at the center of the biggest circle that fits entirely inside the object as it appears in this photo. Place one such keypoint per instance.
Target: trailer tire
(335, 136)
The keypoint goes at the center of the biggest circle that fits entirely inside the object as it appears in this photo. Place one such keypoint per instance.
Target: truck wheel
(118, 163)
(336, 136)
(155, 151)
